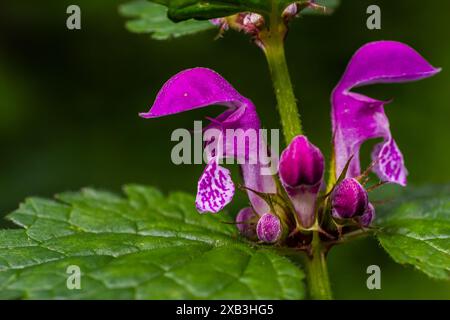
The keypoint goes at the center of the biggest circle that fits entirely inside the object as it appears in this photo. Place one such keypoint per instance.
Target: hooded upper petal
(301, 164)
(301, 171)
(192, 89)
(201, 87)
(357, 118)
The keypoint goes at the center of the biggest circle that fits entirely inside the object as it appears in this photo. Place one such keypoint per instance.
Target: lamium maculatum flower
(269, 228)
(357, 118)
(200, 87)
(349, 199)
(301, 170)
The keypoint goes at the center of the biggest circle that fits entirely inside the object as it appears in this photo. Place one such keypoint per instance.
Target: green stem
(273, 41)
(273, 44)
(318, 281)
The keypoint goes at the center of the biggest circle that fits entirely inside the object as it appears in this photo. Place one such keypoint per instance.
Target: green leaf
(415, 229)
(152, 18)
(206, 9)
(144, 246)
(185, 9)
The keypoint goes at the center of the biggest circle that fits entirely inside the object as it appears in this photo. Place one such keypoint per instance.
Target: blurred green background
(69, 102)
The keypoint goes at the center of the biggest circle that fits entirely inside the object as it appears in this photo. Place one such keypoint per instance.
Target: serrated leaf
(152, 18)
(415, 229)
(144, 246)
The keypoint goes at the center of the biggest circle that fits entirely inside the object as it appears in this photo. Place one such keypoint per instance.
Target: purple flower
(357, 118)
(269, 228)
(201, 87)
(245, 222)
(301, 171)
(349, 199)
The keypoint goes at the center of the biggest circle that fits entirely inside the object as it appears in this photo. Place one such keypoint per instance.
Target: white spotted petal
(215, 188)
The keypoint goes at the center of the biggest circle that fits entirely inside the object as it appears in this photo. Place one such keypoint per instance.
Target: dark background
(69, 102)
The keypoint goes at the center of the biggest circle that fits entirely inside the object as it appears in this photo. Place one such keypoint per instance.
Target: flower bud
(268, 228)
(301, 171)
(368, 216)
(220, 22)
(245, 222)
(349, 199)
(248, 22)
(290, 11)
(301, 164)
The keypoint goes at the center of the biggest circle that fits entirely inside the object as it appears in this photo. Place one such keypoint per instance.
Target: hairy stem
(318, 281)
(273, 40)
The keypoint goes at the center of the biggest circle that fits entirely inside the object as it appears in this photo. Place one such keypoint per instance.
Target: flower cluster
(253, 24)
(286, 206)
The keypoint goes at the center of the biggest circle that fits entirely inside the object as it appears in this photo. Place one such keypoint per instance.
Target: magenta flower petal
(200, 87)
(357, 118)
(215, 189)
(301, 170)
(301, 163)
(192, 89)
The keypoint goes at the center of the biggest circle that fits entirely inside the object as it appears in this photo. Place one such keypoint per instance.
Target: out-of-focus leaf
(152, 18)
(206, 9)
(145, 246)
(415, 229)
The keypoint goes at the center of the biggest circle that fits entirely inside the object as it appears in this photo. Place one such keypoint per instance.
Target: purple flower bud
(290, 11)
(268, 228)
(368, 216)
(301, 164)
(349, 199)
(245, 223)
(252, 20)
(301, 170)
